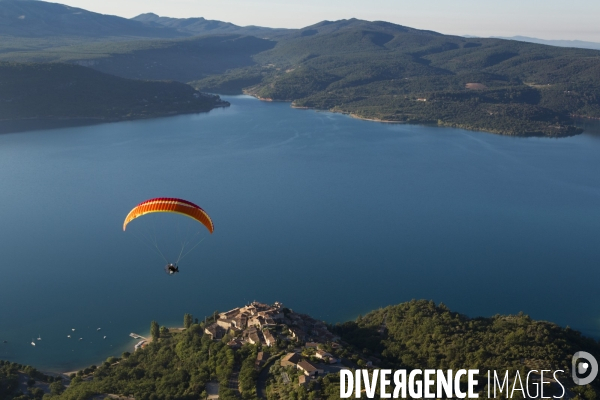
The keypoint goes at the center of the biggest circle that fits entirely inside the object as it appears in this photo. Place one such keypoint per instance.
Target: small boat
(80, 338)
(39, 337)
(32, 342)
(69, 336)
(73, 329)
(104, 337)
(98, 329)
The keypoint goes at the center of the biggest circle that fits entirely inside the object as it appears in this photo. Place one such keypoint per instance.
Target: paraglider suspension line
(151, 241)
(160, 252)
(147, 240)
(190, 250)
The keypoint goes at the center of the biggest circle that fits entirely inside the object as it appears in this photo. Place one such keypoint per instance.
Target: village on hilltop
(306, 339)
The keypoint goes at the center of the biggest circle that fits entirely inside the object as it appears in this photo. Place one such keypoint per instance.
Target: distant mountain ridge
(202, 26)
(32, 18)
(579, 44)
(373, 70)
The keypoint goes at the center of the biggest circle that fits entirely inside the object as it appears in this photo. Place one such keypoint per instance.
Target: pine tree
(154, 330)
(187, 320)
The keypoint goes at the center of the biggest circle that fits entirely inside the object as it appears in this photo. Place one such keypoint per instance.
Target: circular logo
(590, 365)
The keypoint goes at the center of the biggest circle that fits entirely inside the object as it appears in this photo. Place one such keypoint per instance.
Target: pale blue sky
(546, 19)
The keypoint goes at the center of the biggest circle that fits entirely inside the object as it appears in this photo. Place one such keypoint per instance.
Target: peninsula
(65, 94)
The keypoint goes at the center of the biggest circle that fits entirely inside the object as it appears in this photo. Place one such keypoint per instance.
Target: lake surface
(330, 215)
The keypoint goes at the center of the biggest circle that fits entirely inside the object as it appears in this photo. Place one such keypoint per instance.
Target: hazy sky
(546, 19)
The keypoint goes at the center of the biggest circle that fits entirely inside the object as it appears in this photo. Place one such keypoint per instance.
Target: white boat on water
(99, 329)
(104, 337)
(69, 336)
(39, 337)
(32, 342)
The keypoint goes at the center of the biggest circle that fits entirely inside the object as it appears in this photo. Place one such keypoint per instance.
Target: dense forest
(416, 334)
(372, 70)
(65, 91)
(22, 382)
(382, 71)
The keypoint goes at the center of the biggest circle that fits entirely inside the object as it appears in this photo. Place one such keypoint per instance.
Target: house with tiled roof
(215, 331)
(290, 360)
(323, 355)
(269, 338)
(308, 369)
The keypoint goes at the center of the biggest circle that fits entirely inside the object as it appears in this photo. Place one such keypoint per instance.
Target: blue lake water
(330, 215)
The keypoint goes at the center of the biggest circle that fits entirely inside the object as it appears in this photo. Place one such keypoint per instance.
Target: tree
(36, 392)
(164, 330)
(154, 330)
(57, 388)
(187, 320)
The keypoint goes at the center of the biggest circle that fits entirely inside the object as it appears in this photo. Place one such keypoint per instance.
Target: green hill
(32, 18)
(383, 71)
(71, 92)
(373, 70)
(182, 60)
(421, 334)
(201, 26)
(413, 335)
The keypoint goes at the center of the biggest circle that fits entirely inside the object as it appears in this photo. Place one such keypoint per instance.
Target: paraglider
(172, 269)
(174, 206)
(170, 205)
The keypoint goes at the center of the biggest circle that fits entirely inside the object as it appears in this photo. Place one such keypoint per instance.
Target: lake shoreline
(179, 329)
(403, 211)
(32, 124)
(568, 132)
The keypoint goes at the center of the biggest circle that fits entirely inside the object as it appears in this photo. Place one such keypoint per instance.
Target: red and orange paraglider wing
(170, 205)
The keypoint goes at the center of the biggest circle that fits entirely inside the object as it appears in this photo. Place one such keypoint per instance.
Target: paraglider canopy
(170, 205)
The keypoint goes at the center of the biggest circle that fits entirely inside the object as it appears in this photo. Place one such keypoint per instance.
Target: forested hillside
(373, 70)
(39, 19)
(182, 60)
(412, 335)
(65, 91)
(202, 26)
(421, 334)
(384, 71)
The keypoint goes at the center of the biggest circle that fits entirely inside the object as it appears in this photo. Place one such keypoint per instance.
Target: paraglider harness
(172, 269)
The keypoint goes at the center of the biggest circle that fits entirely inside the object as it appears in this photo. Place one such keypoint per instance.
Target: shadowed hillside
(183, 60)
(71, 92)
(31, 18)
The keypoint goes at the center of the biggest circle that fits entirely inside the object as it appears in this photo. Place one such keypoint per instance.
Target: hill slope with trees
(372, 70)
(202, 26)
(412, 335)
(32, 18)
(71, 92)
(388, 72)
